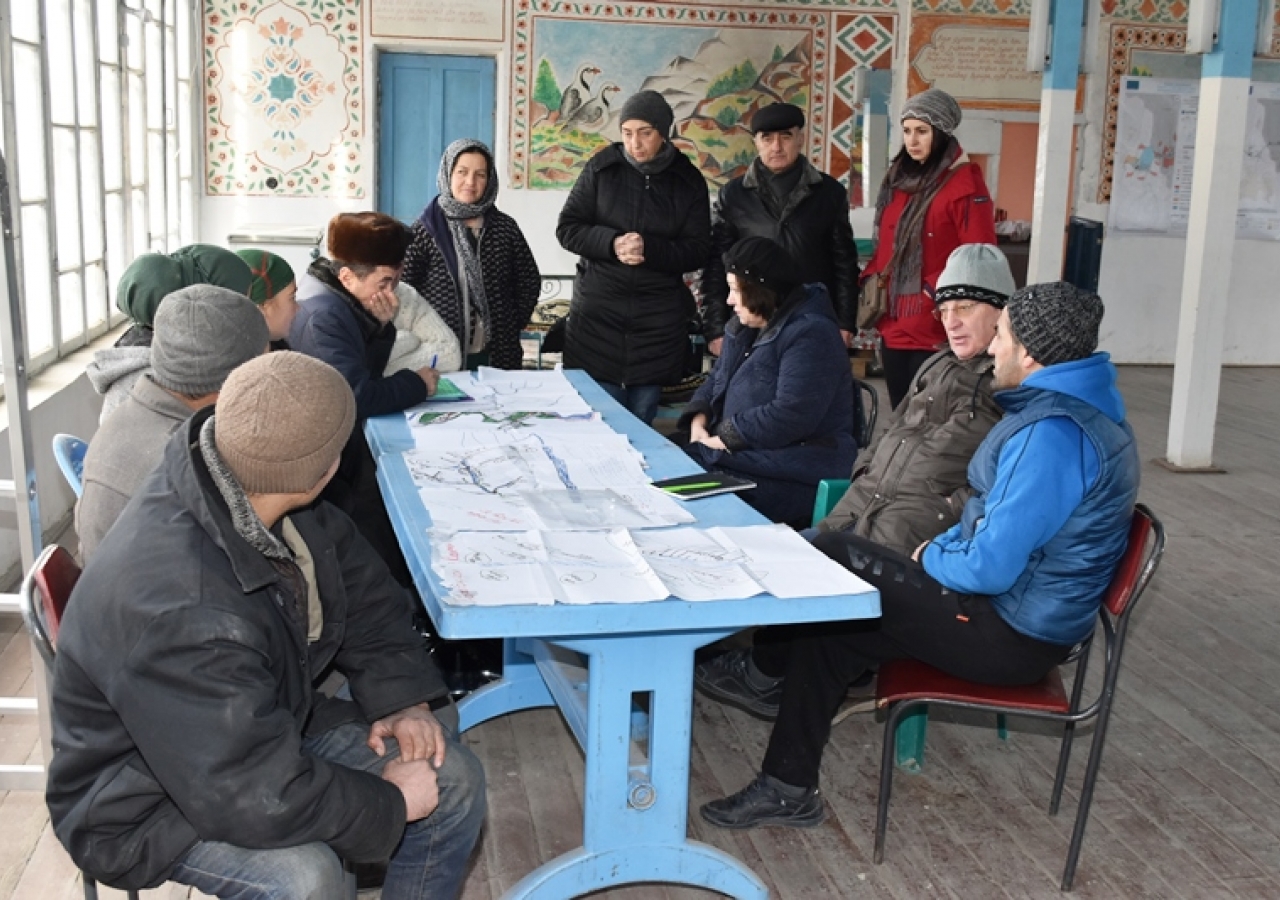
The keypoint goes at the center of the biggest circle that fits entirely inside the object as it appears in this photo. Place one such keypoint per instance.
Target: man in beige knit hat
(191, 744)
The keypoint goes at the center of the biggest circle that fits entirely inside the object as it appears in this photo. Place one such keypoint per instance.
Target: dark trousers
(900, 368)
(958, 633)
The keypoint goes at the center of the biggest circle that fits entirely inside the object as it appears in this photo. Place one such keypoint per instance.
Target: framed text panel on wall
(456, 20)
(981, 61)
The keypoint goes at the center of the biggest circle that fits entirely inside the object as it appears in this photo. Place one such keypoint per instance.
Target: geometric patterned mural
(284, 99)
(862, 40)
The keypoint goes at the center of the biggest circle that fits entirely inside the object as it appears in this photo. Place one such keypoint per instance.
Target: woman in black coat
(638, 217)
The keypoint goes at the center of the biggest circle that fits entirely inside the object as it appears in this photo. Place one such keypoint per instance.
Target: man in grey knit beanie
(202, 333)
(1000, 597)
(1056, 322)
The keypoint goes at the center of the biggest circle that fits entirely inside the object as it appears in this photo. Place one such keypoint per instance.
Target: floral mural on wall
(284, 104)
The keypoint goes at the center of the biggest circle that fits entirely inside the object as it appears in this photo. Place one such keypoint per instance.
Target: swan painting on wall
(581, 71)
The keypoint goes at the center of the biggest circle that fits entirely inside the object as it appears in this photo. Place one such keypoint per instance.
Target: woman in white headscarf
(471, 262)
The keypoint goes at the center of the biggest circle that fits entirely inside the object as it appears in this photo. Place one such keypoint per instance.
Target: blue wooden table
(595, 662)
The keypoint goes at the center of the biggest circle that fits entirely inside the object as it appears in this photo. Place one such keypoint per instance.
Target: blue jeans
(430, 862)
(640, 399)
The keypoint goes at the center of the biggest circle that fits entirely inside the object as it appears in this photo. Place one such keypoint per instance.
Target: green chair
(830, 490)
(913, 726)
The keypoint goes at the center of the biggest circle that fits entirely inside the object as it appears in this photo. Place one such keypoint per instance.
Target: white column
(875, 149)
(1206, 275)
(1211, 228)
(1053, 178)
(1053, 145)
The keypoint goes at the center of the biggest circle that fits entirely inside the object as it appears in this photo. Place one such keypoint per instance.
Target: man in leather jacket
(190, 741)
(782, 197)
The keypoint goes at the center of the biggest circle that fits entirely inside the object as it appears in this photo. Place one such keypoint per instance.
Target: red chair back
(44, 596)
(1130, 572)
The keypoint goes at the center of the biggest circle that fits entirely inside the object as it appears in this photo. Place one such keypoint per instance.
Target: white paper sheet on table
(487, 548)
(574, 445)
(527, 464)
(788, 565)
(513, 585)
(695, 566)
(603, 509)
(577, 567)
(600, 567)
(503, 392)
(655, 506)
(547, 390)
(455, 510)
(520, 421)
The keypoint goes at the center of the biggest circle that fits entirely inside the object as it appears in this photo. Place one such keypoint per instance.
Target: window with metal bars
(98, 138)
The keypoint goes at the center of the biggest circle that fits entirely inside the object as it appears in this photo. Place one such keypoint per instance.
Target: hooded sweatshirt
(113, 373)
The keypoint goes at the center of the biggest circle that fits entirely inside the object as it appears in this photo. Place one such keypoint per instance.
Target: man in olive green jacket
(911, 484)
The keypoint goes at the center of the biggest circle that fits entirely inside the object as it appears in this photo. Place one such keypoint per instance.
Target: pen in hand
(435, 357)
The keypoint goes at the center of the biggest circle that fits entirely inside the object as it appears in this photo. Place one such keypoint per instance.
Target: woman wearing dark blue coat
(778, 406)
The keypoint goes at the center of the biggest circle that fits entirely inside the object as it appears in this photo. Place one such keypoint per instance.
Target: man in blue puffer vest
(1001, 597)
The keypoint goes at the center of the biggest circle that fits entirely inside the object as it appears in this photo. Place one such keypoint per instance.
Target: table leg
(635, 817)
(520, 687)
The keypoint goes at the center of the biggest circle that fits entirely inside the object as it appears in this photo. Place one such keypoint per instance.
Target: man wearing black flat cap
(784, 198)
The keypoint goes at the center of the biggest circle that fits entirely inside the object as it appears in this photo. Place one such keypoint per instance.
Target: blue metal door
(425, 103)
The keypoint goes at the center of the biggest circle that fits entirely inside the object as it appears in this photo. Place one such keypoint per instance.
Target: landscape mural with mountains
(714, 78)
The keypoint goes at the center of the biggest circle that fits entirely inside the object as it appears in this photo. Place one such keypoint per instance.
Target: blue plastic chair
(69, 451)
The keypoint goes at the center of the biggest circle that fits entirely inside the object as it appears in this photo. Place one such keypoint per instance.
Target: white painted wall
(1141, 284)
(1141, 276)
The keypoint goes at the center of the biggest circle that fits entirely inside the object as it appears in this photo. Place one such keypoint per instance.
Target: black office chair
(865, 412)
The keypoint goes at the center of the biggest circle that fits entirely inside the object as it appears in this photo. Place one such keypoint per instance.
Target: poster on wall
(714, 79)
(574, 64)
(1155, 158)
(475, 20)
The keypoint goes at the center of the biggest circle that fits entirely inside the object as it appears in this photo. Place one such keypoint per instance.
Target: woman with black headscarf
(471, 262)
(932, 200)
(778, 406)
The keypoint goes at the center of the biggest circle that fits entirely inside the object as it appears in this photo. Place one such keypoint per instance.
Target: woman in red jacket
(932, 200)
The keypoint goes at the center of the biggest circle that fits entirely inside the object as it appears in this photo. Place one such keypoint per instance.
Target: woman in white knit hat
(932, 200)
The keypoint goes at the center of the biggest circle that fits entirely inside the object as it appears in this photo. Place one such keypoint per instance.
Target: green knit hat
(271, 274)
(153, 276)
